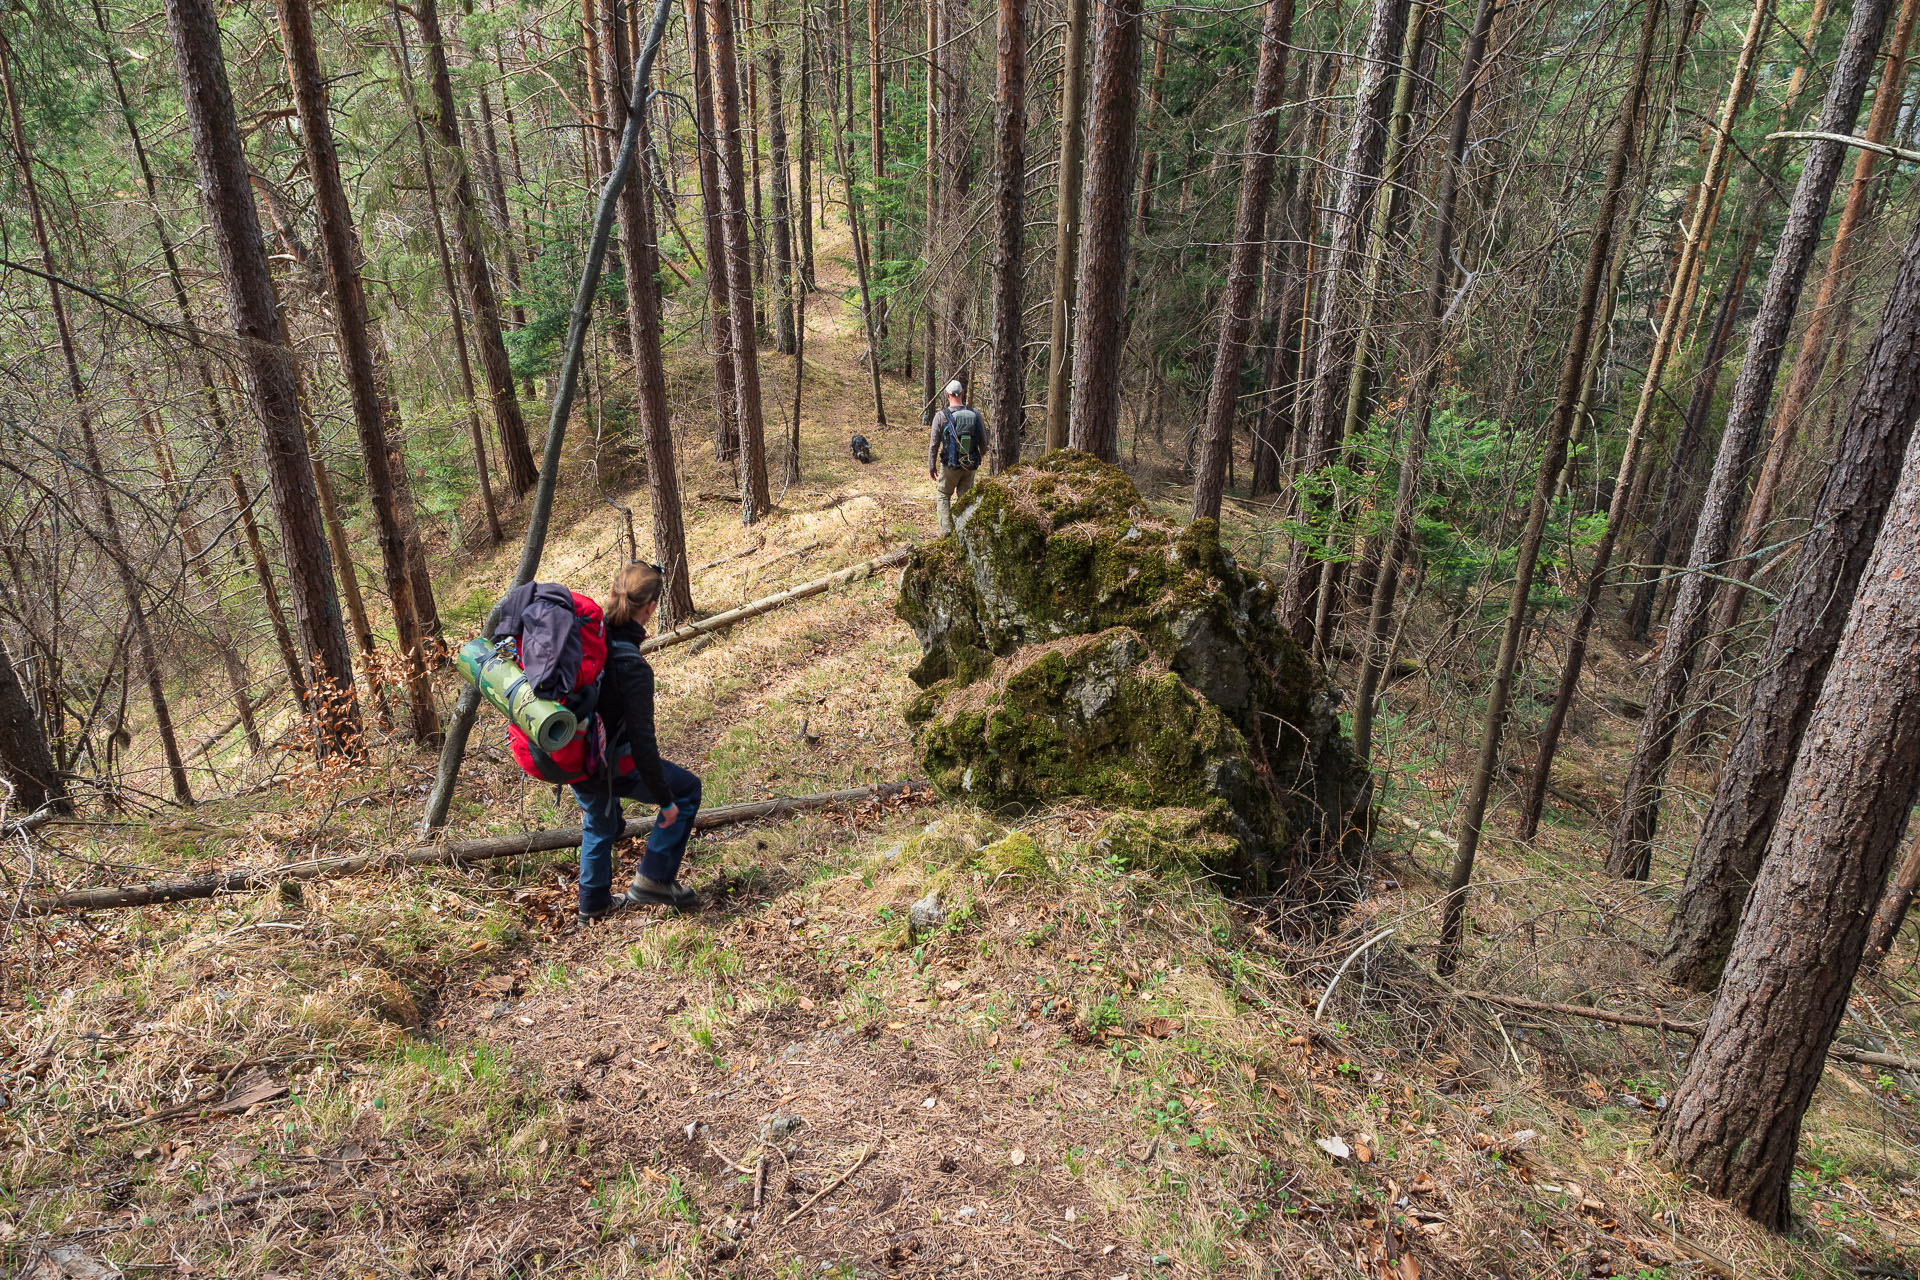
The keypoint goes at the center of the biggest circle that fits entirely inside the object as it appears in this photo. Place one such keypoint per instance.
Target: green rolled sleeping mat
(500, 681)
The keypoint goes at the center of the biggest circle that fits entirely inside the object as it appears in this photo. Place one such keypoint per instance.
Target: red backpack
(585, 756)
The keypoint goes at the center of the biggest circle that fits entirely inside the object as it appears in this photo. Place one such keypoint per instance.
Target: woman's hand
(668, 816)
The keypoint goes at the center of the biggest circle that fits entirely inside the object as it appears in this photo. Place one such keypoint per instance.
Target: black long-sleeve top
(626, 706)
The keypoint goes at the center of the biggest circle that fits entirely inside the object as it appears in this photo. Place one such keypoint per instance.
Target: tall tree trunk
(1734, 1126)
(1806, 631)
(469, 242)
(869, 311)
(1673, 318)
(754, 497)
(1335, 340)
(1100, 303)
(1632, 848)
(956, 187)
(1810, 357)
(1426, 365)
(1693, 428)
(474, 433)
(111, 538)
(224, 188)
(1892, 912)
(726, 425)
(783, 272)
(1243, 264)
(876, 131)
(1006, 414)
(639, 251)
(1066, 235)
(340, 246)
(25, 761)
(1573, 370)
(803, 122)
(1156, 85)
(930, 240)
(596, 91)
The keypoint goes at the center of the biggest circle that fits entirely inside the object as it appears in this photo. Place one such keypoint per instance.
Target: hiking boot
(593, 914)
(648, 892)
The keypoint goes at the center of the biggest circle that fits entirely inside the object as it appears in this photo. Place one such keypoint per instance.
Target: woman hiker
(626, 708)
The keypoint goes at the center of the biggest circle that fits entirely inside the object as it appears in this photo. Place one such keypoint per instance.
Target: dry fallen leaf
(1335, 1146)
(1363, 1153)
(806, 1003)
(1016, 1157)
(1409, 1267)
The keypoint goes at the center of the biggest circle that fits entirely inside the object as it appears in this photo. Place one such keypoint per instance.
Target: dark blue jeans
(602, 823)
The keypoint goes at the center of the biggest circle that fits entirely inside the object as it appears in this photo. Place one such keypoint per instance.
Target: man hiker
(953, 452)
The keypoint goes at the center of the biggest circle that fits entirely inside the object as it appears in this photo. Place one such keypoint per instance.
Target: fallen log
(242, 879)
(766, 604)
(1845, 1053)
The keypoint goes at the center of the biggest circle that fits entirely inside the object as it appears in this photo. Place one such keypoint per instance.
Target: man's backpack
(964, 432)
(559, 639)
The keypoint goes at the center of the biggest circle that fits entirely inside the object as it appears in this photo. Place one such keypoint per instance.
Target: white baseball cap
(955, 389)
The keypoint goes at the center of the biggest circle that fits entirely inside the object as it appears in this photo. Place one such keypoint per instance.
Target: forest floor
(1085, 1069)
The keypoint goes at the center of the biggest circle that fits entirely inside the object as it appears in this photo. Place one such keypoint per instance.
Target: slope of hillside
(1086, 1063)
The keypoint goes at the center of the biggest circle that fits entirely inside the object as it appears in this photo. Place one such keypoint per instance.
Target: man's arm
(933, 443)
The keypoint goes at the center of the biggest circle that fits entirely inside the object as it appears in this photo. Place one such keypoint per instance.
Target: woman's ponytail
(634, 588)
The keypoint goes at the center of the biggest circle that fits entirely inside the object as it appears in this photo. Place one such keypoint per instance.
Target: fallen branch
(766, 604)
(213, 739)
(1847, 140)
(243, 879)
(1845, 1053)
(866, 1154)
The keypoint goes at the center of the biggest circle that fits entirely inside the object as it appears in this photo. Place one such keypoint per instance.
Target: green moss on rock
(953, 839)
(1073, 644)
(1167, 841)
(1018, 854)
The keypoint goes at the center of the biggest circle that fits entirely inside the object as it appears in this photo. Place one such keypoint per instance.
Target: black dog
(861, 452)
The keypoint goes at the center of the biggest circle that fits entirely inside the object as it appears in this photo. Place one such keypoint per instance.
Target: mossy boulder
(1166, 840)
(1074, 644)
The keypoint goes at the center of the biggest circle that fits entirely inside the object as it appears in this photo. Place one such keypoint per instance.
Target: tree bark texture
(754, 497)
(783, 266)
(1810, 357)
(1735, 1121)
(639, 251)
(1806, 630)
(726, 425)
(470, 243)
(1066, 235)
(1100, 304)
(1243, 263)
(477, 437)
(226, 193)
(1894, 903)
(1005, 415)
(340, 246)
(1632, 847)
(25, 760)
